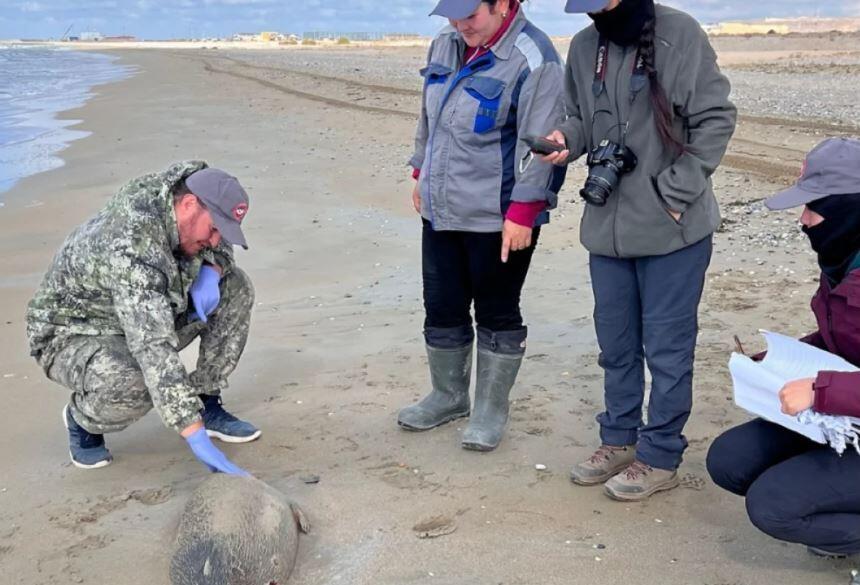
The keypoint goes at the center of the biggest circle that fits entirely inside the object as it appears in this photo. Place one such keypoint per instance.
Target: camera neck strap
(638, 77)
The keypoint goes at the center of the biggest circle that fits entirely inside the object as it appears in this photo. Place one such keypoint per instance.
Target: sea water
(37, 83)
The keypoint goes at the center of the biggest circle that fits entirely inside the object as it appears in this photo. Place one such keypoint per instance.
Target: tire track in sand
(779, 170)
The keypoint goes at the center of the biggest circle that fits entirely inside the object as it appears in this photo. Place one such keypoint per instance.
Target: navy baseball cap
(831, 168)
(456, 9)
(574, 6)
(225, 199)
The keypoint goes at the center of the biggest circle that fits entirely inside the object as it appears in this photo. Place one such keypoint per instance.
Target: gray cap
(575, 6)
(831, 168)
(456, 9)
(225, 199)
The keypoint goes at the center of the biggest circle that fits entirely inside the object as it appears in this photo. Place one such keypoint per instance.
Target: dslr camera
(606, 163)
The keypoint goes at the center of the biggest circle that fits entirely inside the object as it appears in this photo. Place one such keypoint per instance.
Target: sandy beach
(320, 139)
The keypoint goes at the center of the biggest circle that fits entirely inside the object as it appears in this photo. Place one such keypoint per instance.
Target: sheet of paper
(757, 384)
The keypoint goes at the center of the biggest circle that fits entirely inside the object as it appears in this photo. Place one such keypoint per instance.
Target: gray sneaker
(603, 464)
(639, 481)
(825, 554)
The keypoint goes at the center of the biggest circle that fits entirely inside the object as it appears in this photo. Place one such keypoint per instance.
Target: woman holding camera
(646, 100)
(491, 79)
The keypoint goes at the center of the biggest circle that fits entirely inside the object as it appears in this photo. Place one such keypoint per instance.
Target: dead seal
(236, 531)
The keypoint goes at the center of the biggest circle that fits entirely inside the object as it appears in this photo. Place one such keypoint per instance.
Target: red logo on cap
(239, 211)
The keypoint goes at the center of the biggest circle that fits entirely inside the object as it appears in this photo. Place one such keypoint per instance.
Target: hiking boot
(825, 554)
(603, 464)
(450, 370)
(639, 481)
(496, 374)
(224, 426)
(86, 450)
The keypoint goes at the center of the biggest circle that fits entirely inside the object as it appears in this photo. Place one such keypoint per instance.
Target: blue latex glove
(205, 292)
(202, 447)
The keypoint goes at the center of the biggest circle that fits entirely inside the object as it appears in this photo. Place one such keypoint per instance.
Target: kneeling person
(798, 490)
(130, 288)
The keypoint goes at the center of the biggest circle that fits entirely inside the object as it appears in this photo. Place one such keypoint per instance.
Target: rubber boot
(497, 372)
(450, 371)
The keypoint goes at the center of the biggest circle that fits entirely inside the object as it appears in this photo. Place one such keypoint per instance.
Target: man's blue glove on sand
(201, 445)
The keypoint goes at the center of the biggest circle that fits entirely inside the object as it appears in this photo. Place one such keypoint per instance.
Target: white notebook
(757, 384)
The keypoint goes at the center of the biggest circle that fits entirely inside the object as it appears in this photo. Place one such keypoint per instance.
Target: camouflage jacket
(122, 273)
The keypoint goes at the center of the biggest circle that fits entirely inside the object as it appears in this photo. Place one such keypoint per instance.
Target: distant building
(91, 36)
(783, 26)
(245, 36)
(120, 39)
(748, 28)
(352, 36)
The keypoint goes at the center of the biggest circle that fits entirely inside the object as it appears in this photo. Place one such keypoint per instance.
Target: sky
(161, 19)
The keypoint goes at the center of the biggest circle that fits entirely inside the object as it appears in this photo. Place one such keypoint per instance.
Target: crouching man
(130, 288)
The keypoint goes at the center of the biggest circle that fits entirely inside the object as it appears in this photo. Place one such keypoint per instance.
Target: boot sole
(596, 480)
(672, 484)
(414, 429)
(600, 478)
(478, 447)
(234, 439)
(103, 463)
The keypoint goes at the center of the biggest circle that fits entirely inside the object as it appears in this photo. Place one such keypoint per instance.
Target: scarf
(836, 240)
(623, 24)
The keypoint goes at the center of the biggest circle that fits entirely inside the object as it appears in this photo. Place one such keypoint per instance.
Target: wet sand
(336, 349)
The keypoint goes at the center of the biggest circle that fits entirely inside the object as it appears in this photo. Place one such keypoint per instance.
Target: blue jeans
(796, 490)
(646, 309)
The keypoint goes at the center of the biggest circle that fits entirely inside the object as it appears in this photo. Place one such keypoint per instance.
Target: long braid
(659, 102)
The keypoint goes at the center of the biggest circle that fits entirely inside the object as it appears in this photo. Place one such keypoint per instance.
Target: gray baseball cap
(456, 9)
(575, 6)
(225, 199)
(831, 168)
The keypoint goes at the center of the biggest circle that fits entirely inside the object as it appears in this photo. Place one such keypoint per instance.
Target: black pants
(796, 490)
(462, 267)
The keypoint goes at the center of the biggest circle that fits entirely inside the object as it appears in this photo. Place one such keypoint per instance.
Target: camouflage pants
(108, 390)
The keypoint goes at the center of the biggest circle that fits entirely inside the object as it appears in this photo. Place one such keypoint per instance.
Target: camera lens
(599, 185)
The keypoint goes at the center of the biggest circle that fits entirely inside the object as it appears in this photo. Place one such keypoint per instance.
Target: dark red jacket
(837, 312)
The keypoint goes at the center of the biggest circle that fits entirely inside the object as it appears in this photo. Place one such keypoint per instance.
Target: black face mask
(623, 24)
(837, 238)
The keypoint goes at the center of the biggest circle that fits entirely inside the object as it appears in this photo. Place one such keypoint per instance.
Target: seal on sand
(236, 531)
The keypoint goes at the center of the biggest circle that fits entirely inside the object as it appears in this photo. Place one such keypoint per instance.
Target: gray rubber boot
(450, 371)
(496, 375)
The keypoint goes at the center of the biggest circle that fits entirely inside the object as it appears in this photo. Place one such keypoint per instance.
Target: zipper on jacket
(830, 321)
(620, 129)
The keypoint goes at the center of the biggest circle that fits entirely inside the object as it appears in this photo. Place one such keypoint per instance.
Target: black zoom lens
(600, 183)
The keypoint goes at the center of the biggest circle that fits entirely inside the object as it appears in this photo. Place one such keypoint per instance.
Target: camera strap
(638, 77)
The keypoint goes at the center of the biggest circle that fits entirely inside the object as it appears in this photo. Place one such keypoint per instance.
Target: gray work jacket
(635, 221)
(473, 115)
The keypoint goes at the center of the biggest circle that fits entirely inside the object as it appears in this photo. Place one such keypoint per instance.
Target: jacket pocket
(435, 73)
(435, 77)
(488, 92)
(662, 202)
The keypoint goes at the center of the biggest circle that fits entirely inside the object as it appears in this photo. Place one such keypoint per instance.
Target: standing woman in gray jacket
(646, 100)
(491, 79)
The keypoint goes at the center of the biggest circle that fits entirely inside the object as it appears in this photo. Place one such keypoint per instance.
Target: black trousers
(796, 490)
(460, 268)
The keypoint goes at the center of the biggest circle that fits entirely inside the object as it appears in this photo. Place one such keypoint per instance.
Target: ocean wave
(38, 84)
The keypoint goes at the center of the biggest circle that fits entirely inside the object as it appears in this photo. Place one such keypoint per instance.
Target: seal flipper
(301, 520)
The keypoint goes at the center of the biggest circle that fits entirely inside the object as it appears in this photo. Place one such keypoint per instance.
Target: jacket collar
(505, 45)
